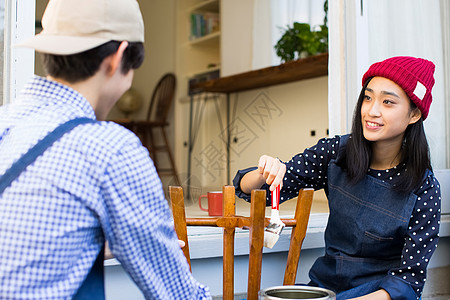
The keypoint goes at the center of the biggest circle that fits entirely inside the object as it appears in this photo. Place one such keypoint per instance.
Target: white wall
(237, 36)
(278, 120)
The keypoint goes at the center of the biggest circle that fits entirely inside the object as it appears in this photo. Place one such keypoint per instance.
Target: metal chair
(256, 223)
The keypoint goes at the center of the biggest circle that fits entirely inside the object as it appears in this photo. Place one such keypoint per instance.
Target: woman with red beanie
(383, 197)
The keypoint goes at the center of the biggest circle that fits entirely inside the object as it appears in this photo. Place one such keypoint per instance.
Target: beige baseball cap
(74, 26)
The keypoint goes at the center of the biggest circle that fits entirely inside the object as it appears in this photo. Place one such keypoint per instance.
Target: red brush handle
(276, 198)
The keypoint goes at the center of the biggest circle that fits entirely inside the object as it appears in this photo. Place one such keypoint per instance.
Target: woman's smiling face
(386, 111)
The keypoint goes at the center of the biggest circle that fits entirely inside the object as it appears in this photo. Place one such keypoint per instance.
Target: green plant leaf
(300, 38)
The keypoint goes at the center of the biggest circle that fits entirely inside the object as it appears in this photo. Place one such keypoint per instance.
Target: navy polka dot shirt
(309, 170)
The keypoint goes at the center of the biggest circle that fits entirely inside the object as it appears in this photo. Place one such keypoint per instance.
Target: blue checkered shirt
(96, 182)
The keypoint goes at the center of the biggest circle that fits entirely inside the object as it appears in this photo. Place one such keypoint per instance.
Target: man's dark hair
(414, 153)
(80, 66)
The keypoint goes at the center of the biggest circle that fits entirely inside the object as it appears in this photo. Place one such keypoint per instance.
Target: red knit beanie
(413, 75)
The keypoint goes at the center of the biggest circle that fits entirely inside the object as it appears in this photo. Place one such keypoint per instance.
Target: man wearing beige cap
(69, 181)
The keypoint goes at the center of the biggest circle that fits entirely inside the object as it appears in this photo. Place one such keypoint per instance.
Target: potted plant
(301, 41)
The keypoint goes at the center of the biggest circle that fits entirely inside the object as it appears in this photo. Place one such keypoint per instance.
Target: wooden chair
(162, 98)
(256, 223)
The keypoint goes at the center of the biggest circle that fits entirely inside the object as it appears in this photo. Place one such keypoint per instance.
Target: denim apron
(93, 286)
(365, 233)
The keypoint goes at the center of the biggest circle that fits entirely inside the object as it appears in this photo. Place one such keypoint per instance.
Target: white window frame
(18, 64)
(346, 22)
(445, 15)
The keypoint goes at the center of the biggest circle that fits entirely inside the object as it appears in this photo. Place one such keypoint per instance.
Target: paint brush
(273, 230)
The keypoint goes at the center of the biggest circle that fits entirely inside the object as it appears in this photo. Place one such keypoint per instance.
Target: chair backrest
(256, 223)
(162, 98)
(179, 216)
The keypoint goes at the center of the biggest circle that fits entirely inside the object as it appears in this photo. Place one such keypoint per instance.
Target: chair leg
(150, 144)
(257, 217)
(179, 218)
(145, 134)
(229, 210)
(172, 161)
(302, 212)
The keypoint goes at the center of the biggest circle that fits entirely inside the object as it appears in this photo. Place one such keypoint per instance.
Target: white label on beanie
(420, 90)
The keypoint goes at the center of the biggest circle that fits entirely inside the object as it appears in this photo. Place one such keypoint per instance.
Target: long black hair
(415, 153)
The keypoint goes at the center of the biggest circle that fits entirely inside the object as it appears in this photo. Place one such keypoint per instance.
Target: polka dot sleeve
(304, 170)
(309, 169)
(421, 238)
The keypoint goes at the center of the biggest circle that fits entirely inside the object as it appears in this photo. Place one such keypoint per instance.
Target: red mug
(215, 205)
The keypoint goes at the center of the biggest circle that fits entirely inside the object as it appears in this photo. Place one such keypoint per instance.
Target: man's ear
(416, 114)
(116, 58)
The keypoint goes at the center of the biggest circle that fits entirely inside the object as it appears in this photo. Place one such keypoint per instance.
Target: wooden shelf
(208, 5)
(201, 72)
(204, 40)
(310, 67)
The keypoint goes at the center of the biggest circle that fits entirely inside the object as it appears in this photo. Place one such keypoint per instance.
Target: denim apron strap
(365, 232)
(93, 286)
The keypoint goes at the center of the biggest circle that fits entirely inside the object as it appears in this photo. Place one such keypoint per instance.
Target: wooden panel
(306, 68)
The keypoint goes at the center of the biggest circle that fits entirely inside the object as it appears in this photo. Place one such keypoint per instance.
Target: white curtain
(445, 25)
(271, 17)
(2, 41)
(18, 63)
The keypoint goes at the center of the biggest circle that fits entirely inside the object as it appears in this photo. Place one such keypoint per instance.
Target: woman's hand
(273, 170)
(270, 170)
